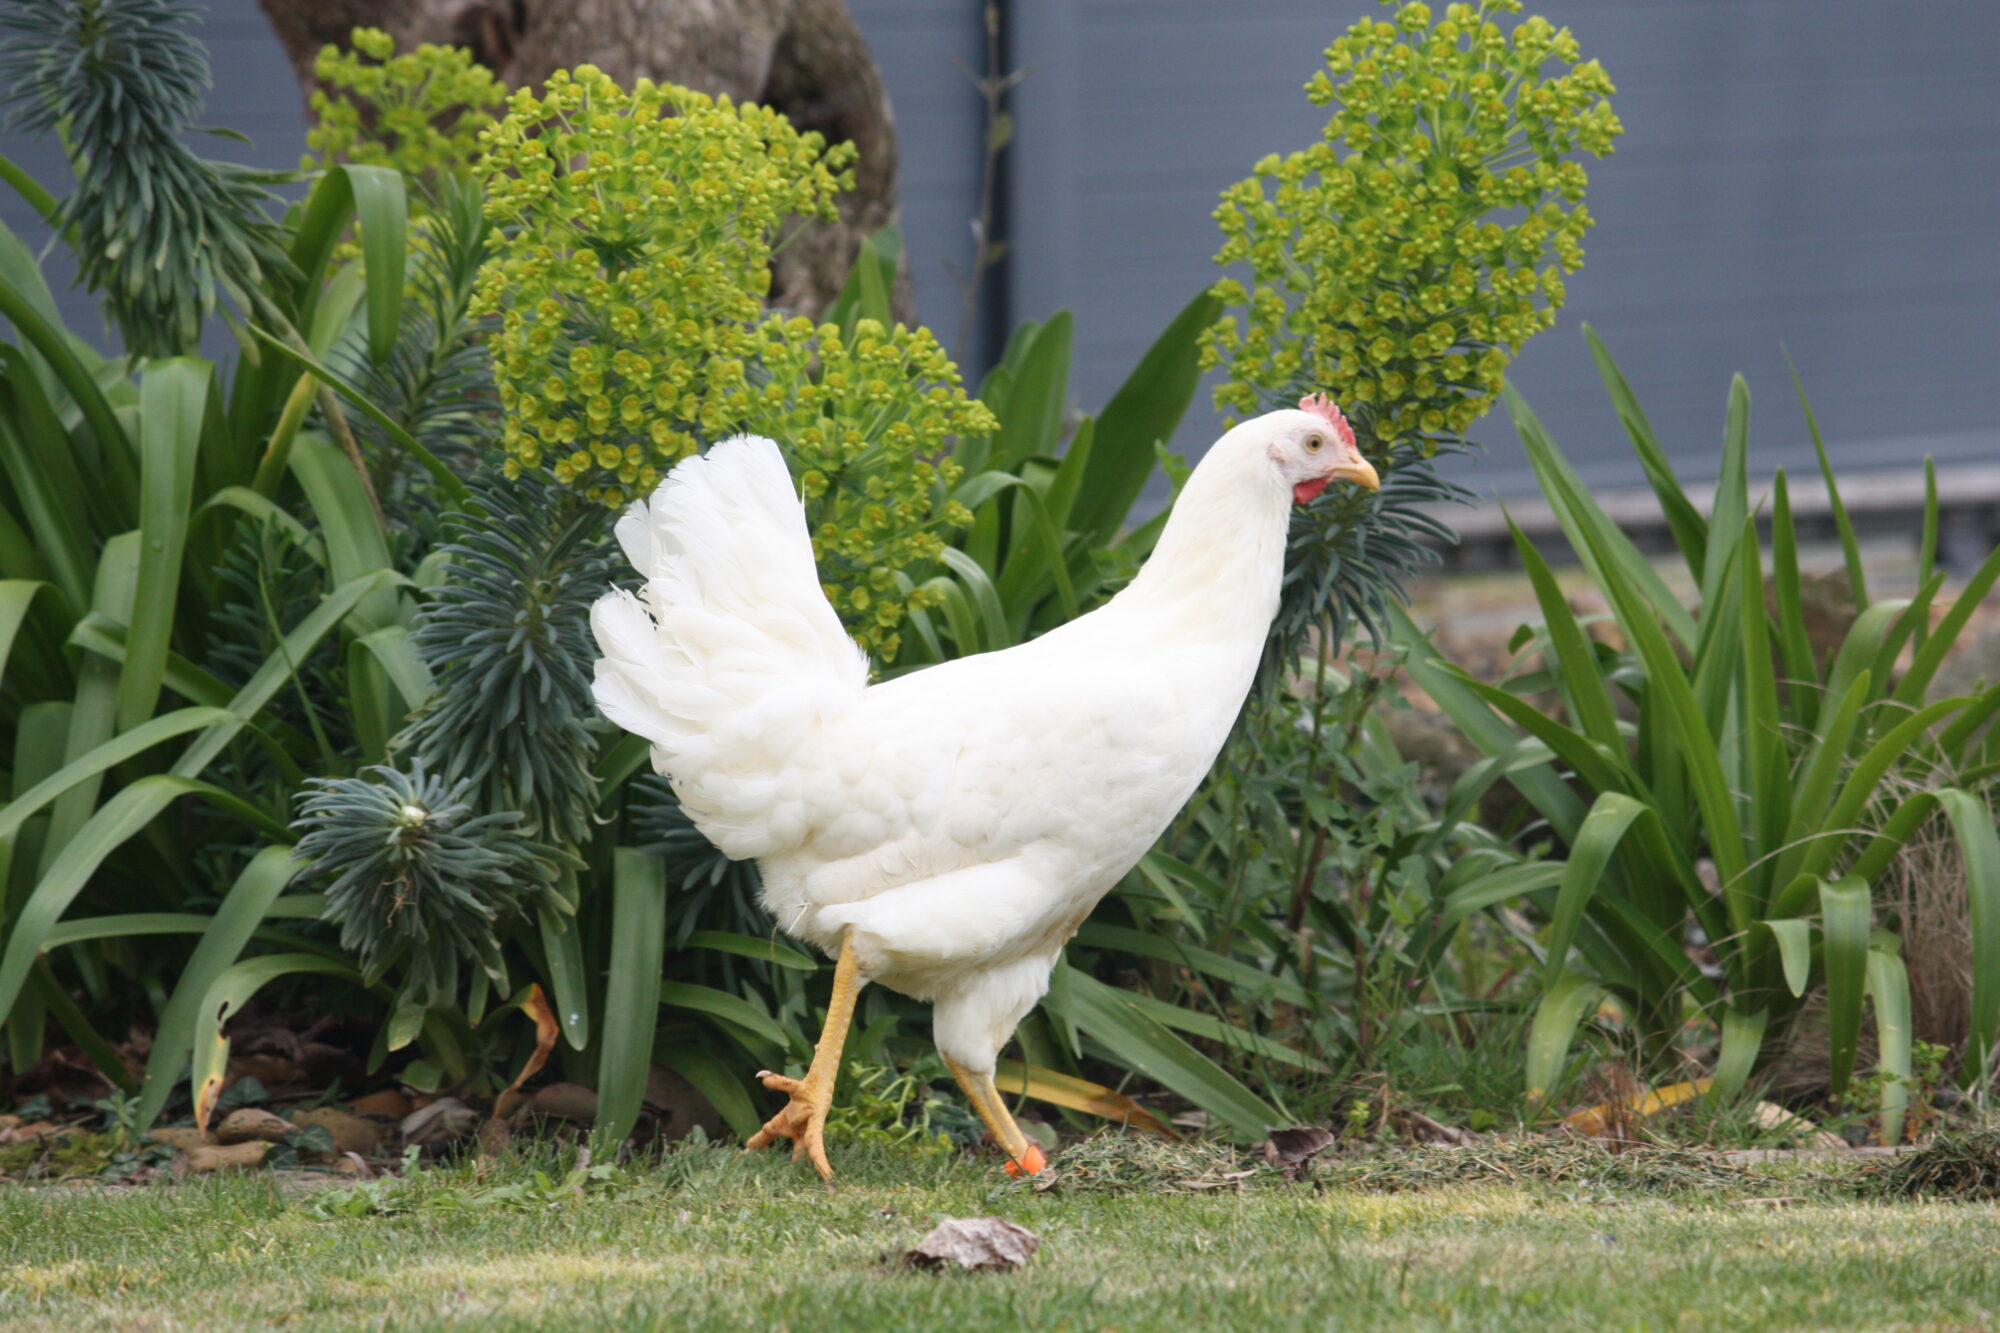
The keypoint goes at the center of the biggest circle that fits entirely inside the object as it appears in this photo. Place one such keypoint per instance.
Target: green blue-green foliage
(414, 877)
(1720, 734)
(310, 650)
(155, 227)
(505, 632)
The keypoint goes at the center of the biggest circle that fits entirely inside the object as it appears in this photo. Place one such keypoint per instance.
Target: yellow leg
(1023, 1157)
(803, 1120)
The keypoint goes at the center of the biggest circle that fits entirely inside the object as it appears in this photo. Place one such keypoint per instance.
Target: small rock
(389, 1102)
(977, 1244)
(564, 1101)
(252, 1124)
(350, 1133)
(681, 1106)
(227, 1157)
(19, 1132)
(185, 1137)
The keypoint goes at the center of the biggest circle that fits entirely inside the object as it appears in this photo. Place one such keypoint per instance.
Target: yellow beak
(1360, 471)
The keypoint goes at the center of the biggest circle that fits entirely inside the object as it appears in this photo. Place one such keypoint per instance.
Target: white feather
(957, 823)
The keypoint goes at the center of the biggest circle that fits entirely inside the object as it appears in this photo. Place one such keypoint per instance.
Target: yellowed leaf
(1046, 1085)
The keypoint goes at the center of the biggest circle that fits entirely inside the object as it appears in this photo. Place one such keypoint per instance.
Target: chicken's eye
(1313, 444)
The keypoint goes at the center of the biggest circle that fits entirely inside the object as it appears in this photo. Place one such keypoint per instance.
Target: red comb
(1322, 407)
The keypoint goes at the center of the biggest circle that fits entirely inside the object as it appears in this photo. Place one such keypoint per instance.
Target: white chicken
(943, 833)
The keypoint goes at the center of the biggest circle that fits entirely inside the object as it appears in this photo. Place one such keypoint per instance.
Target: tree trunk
(802, 57)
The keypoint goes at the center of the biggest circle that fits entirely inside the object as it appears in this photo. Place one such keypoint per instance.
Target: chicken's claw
(803, 1120)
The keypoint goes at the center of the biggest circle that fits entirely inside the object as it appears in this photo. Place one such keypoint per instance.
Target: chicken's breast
(973, 813)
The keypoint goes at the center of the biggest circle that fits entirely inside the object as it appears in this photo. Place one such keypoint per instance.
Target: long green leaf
(730, 1008)
(1598, 542)
(123, 816)
(1732, 494)
(1857, 580)
(632, 990)
(1760, 720)
(1694, 742)
(113, 445)
(38, 462)
(383, 212)
(1742, 1040)
(1846, 918)
(1144, 412)
(749, 946)
(1578, 675)
(118, 925)
(1594, 765)
(1539, 785)
(261, 509)
(1590, 853)
(1813, 789)
(173, 397)
(1889, 993)
(16, 597)
(1801, 666)
(974, 578)
(269, 678)
(713, 1079)
(115, 751)
(1032, 420)
(1236, 1038)
(562, 945)
(1498, 886)
(355, 542)
(242, 909)
(1689, 528)
(1979, 847)
(1174, 949)
(445, 479)
(1562, 1009)
(94, 718)
(1930, 656)
(1794, 940)
(1841, 818)
(1140, 1041)
(226, 996)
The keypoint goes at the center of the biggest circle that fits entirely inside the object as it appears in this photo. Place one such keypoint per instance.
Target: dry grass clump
(1961, 1167)
(1570, 1162)
(1143, 1164)
(1138, 1164)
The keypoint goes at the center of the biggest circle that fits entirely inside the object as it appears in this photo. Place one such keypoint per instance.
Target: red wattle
(1304, 492)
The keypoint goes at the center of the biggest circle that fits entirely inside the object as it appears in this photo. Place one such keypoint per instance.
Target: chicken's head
(1314, 446)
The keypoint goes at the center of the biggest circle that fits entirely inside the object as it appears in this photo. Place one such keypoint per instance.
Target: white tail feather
(731, 658)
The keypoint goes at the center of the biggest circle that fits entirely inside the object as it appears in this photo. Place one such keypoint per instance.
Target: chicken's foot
(803, 1120)
(1023, 1157)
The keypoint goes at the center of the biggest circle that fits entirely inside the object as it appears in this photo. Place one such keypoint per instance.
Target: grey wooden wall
(1818, 175)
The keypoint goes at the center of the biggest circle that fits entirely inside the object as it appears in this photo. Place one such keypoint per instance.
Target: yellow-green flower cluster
(629, 279)
(862, 417)
(1401, 262)
(421, 112)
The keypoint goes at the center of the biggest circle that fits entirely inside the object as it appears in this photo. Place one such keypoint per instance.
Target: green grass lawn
(713, 1240)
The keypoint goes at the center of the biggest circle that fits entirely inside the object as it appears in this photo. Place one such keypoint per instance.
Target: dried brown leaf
(439, 1122)
(1292, 1150)
(977, 1244)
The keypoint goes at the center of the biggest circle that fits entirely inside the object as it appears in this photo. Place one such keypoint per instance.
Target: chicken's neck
(1216, 570)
